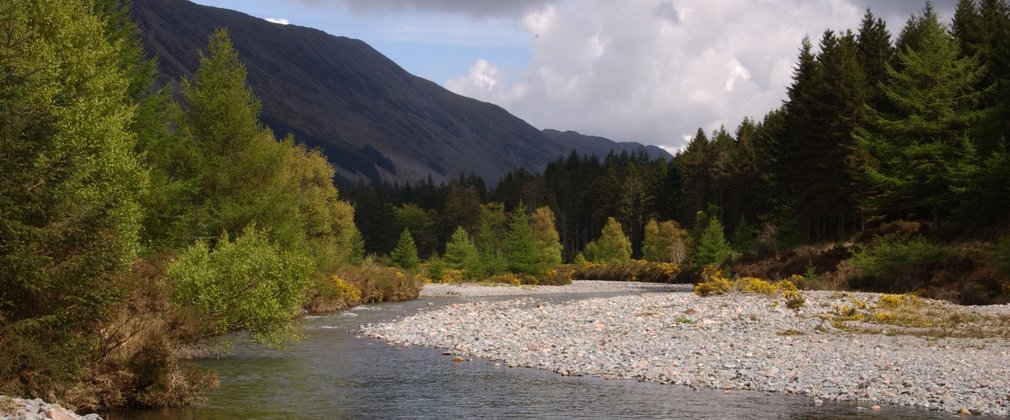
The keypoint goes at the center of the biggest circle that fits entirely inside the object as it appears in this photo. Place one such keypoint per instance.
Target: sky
(652, 71)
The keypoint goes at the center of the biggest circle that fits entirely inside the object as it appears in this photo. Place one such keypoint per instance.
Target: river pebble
(737, 341)
(36, 409)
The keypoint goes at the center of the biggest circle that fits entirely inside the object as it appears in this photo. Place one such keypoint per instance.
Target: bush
(635, 270)
(580, 259)
(378, 283)
(714, 282)
(553, 277)
(436, 269)
(249, 284)
(892, 263)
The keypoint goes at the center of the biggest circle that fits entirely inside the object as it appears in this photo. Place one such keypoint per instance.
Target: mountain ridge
(372, 119)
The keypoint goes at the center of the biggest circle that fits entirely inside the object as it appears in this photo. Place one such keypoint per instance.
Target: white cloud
(280, 21)
(654, 71)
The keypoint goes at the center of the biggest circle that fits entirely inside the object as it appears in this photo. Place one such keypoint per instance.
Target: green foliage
(665, 242)
(459, 249)
(488, 248)
(378, 283)
(921, 158)
(247, 284)
(410, 216)
(612, 247)
(521, 248)
(436, 268)
(634, 270)
(405, 253)
(547, 236)
(744, 238)
(579, 260)
(69, 188)
(893, 263)
(712, 247)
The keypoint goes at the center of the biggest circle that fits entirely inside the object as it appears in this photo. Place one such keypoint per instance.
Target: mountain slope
(371, 118)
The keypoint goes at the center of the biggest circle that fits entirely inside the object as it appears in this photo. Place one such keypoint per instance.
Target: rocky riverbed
(577, 287)
(36, 409)
(736, 341)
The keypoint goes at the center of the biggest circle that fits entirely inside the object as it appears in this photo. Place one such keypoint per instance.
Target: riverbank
(36, 409)
(471, 290)
(737, 341)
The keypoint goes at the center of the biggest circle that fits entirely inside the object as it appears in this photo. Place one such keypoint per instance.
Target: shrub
(580, 259)
(794, 299)
(756, 285)
(714, 282)
(378, 283)
(332, 294)
(891, 263)
(436, 269)
(249, 284)
(635, 270)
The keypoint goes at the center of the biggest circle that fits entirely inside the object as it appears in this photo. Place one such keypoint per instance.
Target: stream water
(335, 373)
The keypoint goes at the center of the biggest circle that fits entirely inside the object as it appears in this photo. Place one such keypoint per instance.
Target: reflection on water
(335, 374)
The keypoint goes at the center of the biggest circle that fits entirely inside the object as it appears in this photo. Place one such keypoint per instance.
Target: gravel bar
(737, 341)
(577, 287)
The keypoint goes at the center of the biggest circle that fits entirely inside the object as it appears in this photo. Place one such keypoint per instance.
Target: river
(335, 373)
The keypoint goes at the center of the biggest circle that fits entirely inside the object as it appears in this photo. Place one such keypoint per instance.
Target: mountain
(371, 118)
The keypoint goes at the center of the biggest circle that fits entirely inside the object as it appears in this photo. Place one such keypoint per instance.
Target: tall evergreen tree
(69, 188)
(924, 158)
(520, 248)
(405, 253)
(875, 51)
(460, 249)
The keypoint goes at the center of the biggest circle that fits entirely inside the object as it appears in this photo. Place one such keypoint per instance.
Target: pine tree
(875, 51)
(712, 247)
(924, 159)
(488, 248)
(520, 248)
(405, 253)
(69, 188)
(459, 249)
(692, 165)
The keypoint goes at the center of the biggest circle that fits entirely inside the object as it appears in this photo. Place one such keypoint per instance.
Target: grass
(8, 405)
(909, 314)
(790, 332)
